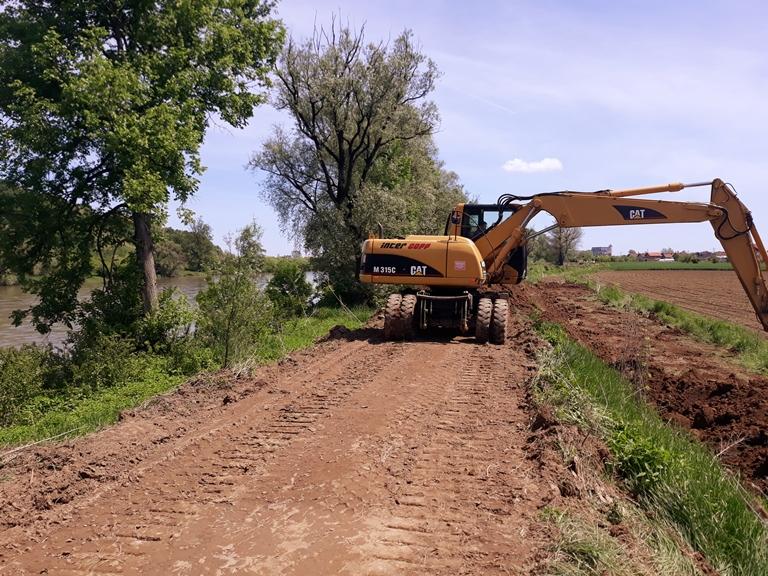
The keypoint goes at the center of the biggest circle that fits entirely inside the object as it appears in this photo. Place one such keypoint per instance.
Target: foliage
(234, 313)
(675, 478)
(360, 152)
(192, 250)
(288, 288)
(22, 376)
(562, 243)
(169, 258)
(640, 461)
(104, 109)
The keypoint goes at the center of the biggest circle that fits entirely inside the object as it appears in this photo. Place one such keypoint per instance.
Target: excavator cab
(473, 221)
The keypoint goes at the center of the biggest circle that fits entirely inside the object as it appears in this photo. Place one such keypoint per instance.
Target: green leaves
(105, 105)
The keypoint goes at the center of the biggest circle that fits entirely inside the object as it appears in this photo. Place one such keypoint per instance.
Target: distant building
(650, 256)
(602, 250)
(296, 254)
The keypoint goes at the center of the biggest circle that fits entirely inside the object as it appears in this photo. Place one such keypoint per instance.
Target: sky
(546, 95)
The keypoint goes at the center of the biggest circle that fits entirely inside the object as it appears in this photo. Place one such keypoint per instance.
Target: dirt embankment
(355, 457)
(694, 385)
(715, 293)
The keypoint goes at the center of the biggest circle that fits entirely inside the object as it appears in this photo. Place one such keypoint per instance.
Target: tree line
(104, 108)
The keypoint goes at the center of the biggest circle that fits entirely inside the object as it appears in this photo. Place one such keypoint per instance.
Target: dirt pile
(694, 385)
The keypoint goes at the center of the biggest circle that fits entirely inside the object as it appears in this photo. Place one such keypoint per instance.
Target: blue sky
(608, 94)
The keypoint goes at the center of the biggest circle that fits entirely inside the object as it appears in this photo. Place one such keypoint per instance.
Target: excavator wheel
(483, 322)
(392, 316)
(407, 311)
(499, 321)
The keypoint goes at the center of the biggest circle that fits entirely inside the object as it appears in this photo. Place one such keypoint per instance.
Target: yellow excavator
(460, 279)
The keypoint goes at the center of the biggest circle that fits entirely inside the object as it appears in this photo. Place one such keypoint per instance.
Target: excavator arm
(730, 219)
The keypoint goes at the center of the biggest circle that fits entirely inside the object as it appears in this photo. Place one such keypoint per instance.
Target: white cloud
(545, 165)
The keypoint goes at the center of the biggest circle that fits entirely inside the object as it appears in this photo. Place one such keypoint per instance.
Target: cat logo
(418, 270)
(638, 213)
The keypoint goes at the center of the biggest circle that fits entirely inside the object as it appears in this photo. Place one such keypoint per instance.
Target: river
(13, 298)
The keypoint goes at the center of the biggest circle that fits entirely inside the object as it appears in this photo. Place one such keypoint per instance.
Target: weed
(674, 478)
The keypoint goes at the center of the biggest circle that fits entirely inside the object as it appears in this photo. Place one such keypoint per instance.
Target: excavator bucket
(743, 246)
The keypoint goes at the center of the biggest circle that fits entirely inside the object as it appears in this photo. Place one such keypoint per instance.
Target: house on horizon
(602, 250)
(655, 256)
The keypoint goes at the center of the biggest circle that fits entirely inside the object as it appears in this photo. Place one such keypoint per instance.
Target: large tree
(103, 109)
(562, 243)
(360, 149)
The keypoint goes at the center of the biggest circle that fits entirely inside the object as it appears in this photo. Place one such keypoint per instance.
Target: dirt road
(355, 457)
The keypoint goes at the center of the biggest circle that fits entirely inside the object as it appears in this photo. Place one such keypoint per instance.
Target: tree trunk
(146, 259)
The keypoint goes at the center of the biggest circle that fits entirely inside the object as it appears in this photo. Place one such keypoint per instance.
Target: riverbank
(135, 378)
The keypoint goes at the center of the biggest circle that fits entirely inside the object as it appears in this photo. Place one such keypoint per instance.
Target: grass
(77, 412)
(80, 416)
(675, 479)
(300, 332)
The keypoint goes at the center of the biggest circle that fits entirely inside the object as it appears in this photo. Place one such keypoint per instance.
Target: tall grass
(673, 477)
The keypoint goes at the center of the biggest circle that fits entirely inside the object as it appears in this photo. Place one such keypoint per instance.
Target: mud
(355, 457)
(696, 386)
(360, 456)
(715, 293)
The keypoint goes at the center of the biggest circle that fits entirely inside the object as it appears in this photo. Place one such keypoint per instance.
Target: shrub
(233, 313)
(23, 373)
(288, 288)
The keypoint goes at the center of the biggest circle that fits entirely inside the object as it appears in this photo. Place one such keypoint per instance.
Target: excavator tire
(392, 316)
(499, 321)
(407, 310)
(483, 321)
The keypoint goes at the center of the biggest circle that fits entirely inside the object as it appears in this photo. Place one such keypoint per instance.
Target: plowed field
(715, 293)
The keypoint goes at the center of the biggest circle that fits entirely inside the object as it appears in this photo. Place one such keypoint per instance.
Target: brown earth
(694, 385)
(355, 457)
(360, 456)
(716, 293)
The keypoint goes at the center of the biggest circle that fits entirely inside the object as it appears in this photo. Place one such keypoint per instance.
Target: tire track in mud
(371, 458)
(202, 470)
(464, 497)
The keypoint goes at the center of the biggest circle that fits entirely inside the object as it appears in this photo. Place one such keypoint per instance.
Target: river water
(13, 298)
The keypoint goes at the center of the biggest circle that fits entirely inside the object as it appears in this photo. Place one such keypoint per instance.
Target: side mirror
(455, 217)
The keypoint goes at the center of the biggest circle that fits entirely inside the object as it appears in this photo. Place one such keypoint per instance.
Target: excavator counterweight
(450, 278)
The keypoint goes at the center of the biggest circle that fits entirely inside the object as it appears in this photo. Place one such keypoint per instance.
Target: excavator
(461, 280)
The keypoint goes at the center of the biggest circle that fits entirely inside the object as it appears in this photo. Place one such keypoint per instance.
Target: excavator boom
(730, 219)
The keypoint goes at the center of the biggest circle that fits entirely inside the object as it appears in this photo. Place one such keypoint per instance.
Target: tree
(361, 139)
(234, 313)
(562, 242)
(104, 107)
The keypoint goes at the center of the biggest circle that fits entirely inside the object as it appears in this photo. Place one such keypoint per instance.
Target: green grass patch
(665, 266)
(301, 332)
(674, 478)
(79, 415)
